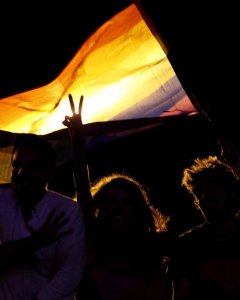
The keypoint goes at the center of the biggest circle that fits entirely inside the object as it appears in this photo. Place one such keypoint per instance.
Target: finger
(61, 223)
(71, 103)
(66, 121)
(50, 216)
(80, 105)
(58, 217)
(30, 229)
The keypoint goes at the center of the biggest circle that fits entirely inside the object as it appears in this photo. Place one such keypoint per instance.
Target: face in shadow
(119, 208)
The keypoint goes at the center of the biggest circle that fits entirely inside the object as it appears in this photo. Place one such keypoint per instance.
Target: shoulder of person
(61, 202)
(193, 239)
(195, 232)
(5, 187)
(60, 197)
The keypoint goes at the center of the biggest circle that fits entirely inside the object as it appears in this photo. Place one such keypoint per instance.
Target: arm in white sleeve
(70, 261)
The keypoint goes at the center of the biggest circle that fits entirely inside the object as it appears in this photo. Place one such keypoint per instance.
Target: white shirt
(57, 269)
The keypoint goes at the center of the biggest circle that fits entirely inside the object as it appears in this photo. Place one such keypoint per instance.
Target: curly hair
(149, 217)
(211, 165)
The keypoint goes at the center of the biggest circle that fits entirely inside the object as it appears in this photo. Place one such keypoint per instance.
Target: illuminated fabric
(124, 75)
(121, 70)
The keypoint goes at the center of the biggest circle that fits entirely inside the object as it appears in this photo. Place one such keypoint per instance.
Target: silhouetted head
(33, 161)
(122, 203)
(215, 187)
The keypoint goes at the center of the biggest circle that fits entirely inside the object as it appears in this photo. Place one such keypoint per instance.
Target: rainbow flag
(124, 75)
(121, 70)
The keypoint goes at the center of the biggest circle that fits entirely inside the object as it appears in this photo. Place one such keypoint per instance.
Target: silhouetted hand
(74, 123)
(50, 231)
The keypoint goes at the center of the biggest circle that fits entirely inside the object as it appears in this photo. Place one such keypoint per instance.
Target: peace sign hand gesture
(74, 123)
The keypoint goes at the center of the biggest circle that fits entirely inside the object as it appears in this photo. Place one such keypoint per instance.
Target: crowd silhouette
(132, 221)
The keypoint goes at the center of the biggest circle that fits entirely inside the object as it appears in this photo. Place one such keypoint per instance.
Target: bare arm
(80, 167)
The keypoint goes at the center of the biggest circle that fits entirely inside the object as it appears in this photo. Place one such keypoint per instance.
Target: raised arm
(80, 167)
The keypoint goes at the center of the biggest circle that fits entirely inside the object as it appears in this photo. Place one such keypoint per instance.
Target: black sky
(39, 38)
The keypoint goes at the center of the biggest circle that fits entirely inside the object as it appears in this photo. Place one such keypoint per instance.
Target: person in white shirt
(54, 265)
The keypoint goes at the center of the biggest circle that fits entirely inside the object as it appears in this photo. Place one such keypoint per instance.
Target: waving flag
(123, 73)
(121, 70)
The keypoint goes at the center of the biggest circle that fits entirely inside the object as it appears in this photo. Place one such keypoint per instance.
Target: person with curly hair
(126, 259)
(208, 264)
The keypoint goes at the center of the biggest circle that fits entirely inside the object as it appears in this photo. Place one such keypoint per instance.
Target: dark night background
(39, 38)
